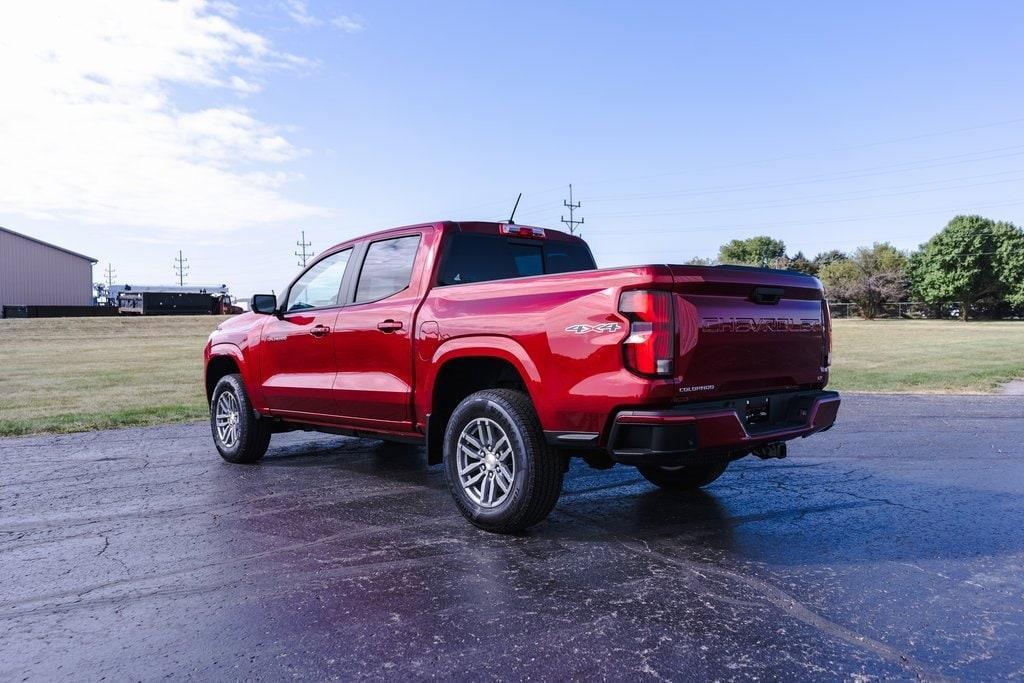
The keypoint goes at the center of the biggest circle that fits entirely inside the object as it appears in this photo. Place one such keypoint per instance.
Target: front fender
(249, 373)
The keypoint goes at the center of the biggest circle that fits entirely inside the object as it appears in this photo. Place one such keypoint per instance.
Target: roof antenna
(513, 215)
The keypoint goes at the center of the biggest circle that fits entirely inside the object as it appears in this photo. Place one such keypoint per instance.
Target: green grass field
(926, 356)
(94, 373)
(74, 374)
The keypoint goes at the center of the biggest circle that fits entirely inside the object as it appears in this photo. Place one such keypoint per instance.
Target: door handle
(389, 325)
(320, 331)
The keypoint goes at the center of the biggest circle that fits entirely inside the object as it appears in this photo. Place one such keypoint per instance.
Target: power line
(754, 162)
(572, 222)
(110, 275)
(810, 223)
(528, 194)
(807, 200)
(818, 152)
(851, 174)
(181, 268)
(902, 167)
(256, 264)
(617, 254)
(303, 254)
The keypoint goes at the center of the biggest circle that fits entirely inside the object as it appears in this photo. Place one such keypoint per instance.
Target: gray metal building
(36, 273)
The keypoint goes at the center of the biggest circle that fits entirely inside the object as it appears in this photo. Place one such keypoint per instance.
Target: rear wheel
(499, 469)
(683, 477)
(239, 436)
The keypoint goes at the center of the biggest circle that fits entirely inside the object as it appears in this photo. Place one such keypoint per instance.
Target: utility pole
(110, 275)
(181, 268)
(572, 223)
(303, 254)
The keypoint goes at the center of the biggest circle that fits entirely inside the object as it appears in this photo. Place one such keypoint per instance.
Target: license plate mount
(756, 411)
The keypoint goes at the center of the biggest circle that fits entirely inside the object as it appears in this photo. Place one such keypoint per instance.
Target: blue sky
(681, 125)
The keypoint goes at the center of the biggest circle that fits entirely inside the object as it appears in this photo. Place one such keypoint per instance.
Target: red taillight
(826, 325)
(651, 341)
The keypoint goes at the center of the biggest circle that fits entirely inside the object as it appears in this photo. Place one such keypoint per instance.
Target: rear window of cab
(480, 257)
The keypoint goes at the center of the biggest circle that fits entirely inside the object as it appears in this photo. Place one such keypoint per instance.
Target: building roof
(47, 244)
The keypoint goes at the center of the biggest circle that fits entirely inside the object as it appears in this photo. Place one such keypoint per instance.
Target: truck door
(374, 333)
(298, 349)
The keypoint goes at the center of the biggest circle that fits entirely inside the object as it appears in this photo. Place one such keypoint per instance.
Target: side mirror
(263, 303)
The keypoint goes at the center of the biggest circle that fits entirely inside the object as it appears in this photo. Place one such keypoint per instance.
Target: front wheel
(683, 477)
(500, 470)
(239, 436)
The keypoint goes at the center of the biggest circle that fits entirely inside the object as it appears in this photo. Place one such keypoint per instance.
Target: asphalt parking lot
(891, 546)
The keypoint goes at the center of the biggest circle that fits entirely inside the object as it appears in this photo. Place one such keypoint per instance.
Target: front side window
(387, 268)
(319, 286)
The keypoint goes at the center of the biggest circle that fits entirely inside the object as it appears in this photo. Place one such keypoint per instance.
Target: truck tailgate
(747, 330)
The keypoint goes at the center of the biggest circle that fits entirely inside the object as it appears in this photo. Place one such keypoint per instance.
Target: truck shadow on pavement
(786, 513)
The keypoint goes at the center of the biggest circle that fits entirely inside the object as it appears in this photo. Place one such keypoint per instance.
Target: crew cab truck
(505, 351)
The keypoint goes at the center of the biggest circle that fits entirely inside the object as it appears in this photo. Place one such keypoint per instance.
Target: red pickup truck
(505, 351)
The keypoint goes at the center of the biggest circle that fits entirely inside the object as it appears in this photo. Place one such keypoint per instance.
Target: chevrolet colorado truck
(505, 351)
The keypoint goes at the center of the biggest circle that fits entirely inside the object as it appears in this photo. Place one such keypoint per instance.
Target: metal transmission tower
(181, 268)
(304, 255)
(572, 222)
(110, 275)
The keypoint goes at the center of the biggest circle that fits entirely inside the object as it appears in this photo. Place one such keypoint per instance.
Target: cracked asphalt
(891, 546)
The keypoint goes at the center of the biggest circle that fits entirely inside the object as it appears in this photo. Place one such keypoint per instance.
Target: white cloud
(89, 129)
(299, 13)
(347, 24)
(244, 87)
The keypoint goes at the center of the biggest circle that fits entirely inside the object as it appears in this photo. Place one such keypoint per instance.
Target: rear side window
(387, 268)
(479, 257)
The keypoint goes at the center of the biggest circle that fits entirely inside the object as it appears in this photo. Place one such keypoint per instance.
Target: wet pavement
(892, 546)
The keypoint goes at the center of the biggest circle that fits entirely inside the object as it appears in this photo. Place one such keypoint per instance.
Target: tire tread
(544, 481)
(255, 433)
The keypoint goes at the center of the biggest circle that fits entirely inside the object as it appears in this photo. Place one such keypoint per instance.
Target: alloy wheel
(227, 417)
(485, 462)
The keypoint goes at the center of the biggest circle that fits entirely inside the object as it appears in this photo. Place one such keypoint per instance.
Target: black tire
(252, 436)
(536, 480)
(684, 478)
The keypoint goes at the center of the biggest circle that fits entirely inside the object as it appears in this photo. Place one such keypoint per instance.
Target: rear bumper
(732, 427)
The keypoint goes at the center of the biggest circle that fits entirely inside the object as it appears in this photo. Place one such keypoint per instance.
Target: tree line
(973, 267)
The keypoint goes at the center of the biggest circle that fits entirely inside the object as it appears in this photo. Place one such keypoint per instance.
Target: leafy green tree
(871, 277)
(756, 251)
(700, 261)
(1009, 261)
(971, 259)
(827, 257)
(839, 278)
(801, 263)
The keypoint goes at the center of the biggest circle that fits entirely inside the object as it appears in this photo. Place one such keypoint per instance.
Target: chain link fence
(911, 310)
(901, 309)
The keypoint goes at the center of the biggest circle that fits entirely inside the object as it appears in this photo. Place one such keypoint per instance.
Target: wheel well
(457, 379)
(217, 368)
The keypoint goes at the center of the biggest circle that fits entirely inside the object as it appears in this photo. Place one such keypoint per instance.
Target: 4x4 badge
(581, 328)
